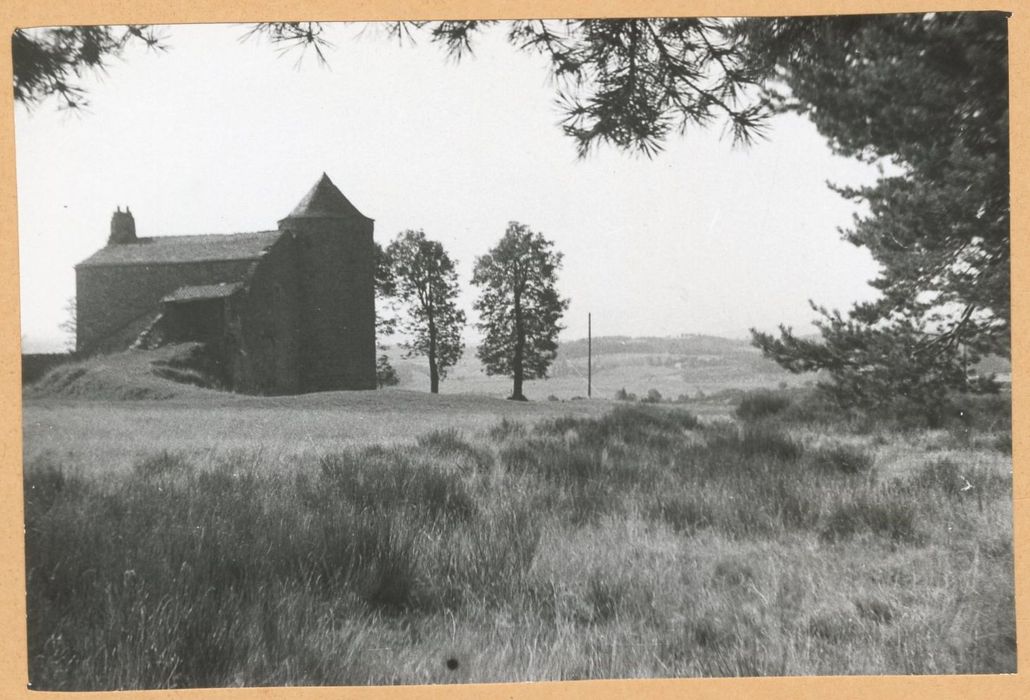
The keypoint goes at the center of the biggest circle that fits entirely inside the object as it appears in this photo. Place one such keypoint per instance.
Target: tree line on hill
(519, 306)
(678, 346)
(923, 93)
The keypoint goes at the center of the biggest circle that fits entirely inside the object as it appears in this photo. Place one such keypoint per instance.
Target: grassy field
(394, 537)
(683, 366)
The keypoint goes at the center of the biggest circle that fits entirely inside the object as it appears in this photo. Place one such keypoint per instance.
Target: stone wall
(336, 302)
(114, 303)
(267, 360)
(35, 365)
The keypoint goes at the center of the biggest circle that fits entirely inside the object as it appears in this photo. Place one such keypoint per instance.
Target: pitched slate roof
(324, 200)
(184, 249)
(198, 292)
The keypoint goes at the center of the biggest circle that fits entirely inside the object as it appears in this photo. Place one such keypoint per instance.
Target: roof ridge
(185, 249)
(182, 236)
(324, 200)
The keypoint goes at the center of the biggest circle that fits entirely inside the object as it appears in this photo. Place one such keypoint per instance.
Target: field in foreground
(634, 542)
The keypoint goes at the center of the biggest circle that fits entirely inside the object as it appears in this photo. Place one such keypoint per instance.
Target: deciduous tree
(519, 306)
(386, 316)
(426, 283)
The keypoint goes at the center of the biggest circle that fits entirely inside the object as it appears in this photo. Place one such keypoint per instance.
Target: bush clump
(633, 425)
(653, 396)
(384, 478)
(881, 515)
(761, 442)
(623, 395)
(506, 429)
(843, 459)
(953, 480)
(756, 405)
(450, 443)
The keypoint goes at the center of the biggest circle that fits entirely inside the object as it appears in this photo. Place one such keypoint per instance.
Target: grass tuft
(507, 429)
(874, 609)
(163, 463)
(450, 443)
(882, 514)
(845, 459)
(391, 478)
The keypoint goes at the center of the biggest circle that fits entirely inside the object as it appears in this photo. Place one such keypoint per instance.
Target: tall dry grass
(638, 543)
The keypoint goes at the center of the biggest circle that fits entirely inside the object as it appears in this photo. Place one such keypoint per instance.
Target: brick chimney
(123, 227)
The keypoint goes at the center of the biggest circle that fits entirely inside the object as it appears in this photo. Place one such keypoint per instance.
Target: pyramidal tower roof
(324, 200)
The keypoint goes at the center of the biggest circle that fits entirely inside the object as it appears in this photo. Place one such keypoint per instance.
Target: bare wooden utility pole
(590, 357)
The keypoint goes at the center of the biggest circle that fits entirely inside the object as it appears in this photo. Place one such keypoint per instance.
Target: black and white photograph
(480, 351)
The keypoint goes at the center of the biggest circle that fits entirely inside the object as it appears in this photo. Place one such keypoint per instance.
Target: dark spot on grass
(874, 609)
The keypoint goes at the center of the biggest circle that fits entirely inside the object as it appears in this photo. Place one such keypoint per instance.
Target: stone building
(282, 312)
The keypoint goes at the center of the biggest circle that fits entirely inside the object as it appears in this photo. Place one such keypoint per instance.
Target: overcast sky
(219, 136)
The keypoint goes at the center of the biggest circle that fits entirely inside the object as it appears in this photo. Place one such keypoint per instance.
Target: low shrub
(883, 515)
(754, 441)
(554, 460)
(386, 569)
(843, 459)
(633, 425)
(756, 405)
(446, 440)
(387, 478)
(451, 443)
(728, 450)
(814, 407)
(506, 429)
(953, 480)
(492, 556)
(980, 412)
(653, 396)
(623, 395)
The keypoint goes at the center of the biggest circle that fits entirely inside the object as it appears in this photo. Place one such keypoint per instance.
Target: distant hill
(682, 365)
(684, 344)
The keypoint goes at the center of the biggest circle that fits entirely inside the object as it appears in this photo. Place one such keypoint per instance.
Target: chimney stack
(123, 227)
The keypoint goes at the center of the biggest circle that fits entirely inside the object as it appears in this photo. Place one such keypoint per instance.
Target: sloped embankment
(164, 373)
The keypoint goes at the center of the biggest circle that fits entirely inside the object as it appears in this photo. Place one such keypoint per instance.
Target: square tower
(336, 290)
